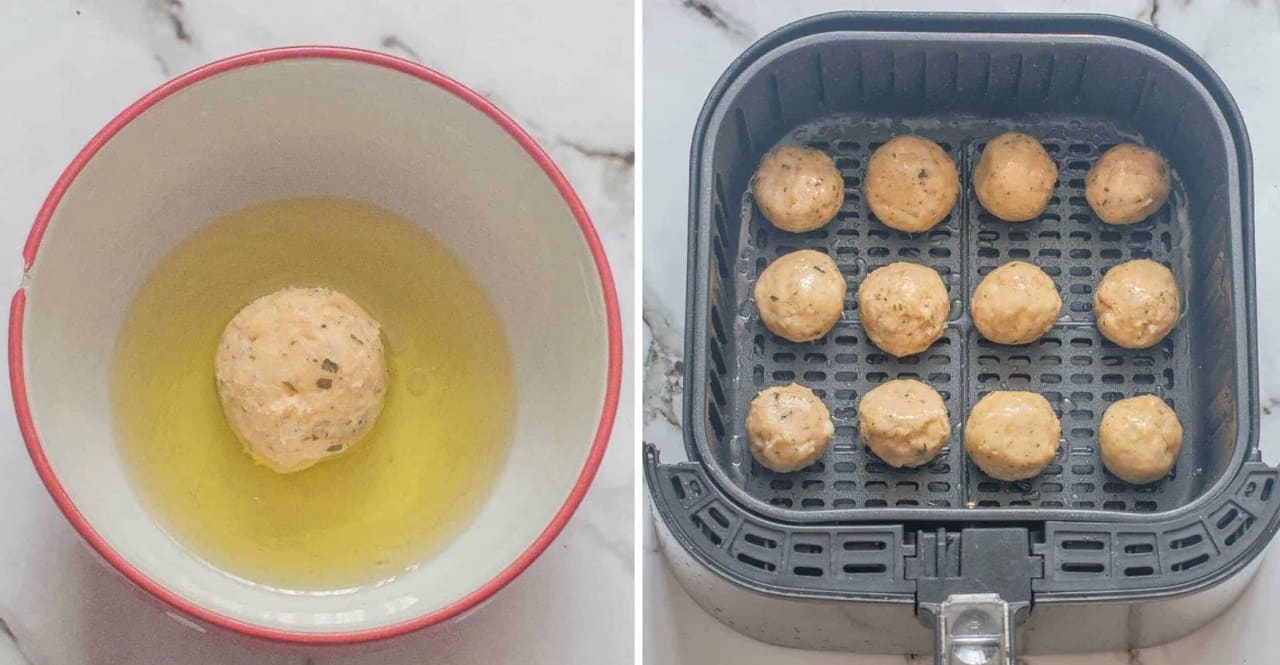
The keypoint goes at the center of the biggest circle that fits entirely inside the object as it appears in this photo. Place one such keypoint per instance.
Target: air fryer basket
(850, 525)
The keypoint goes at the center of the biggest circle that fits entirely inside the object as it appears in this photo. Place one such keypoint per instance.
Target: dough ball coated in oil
(788, 427)
(1014, 178)
(911, 184)
(904, 422)
(1127, 184)
(302, 376)
(1137, 304)
(798, 189)
(1141, 438)
(903, 307)
(800, 295)
(1016, 303)
(1012, 435)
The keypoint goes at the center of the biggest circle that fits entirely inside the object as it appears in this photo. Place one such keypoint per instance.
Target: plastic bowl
(312, 121)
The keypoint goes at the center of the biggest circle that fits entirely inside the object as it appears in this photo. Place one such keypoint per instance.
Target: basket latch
(975, 629)
(973, 586)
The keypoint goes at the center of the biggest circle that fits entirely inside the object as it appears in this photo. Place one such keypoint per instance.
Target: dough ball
(302, 376)
(788, 427)
(911, 184)
(904, 422)
(800, 295)
(1014, 179)
(1127, 184)
(1012, 435)
(903, 307)
(798, 189)
(1141, 438)
(1137, 304)
(1015, 304)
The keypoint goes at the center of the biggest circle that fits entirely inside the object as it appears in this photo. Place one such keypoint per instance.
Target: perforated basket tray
(846, 83)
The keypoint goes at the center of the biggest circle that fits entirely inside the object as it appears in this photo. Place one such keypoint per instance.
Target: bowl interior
(300, 127)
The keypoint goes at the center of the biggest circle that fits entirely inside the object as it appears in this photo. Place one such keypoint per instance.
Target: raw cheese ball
(911, 184)
(904, 422)
(1141, 438)
(1128, 183)
(1137, 304)
(1012, 435)
(801, 295)
(1015, 177)
(302, 376)
(903, 307)
(798, 189)
(788, 427)
(1015, 304)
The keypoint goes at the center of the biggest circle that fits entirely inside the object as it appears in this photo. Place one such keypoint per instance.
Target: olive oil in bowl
(395, 498)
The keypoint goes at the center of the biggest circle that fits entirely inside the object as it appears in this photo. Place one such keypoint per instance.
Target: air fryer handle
(971, 587)
(974, 629)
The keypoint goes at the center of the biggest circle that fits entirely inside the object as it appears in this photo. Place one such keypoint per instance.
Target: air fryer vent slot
(759, 541)
(807, 548)
(755, 563)
(1083, 545)
(1188, 564)
(712, 521)
(707, 531)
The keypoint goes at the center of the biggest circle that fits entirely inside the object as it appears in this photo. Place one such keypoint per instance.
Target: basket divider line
(961, 458)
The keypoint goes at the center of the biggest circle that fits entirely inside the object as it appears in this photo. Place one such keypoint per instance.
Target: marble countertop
(69, 66)
(688, 44)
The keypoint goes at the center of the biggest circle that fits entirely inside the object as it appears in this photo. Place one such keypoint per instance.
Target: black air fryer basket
(973, 556)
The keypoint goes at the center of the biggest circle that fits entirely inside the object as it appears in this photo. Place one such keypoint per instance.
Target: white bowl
(311, 121)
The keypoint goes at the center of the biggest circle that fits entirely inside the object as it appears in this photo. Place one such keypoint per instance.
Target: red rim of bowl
(17, 377)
